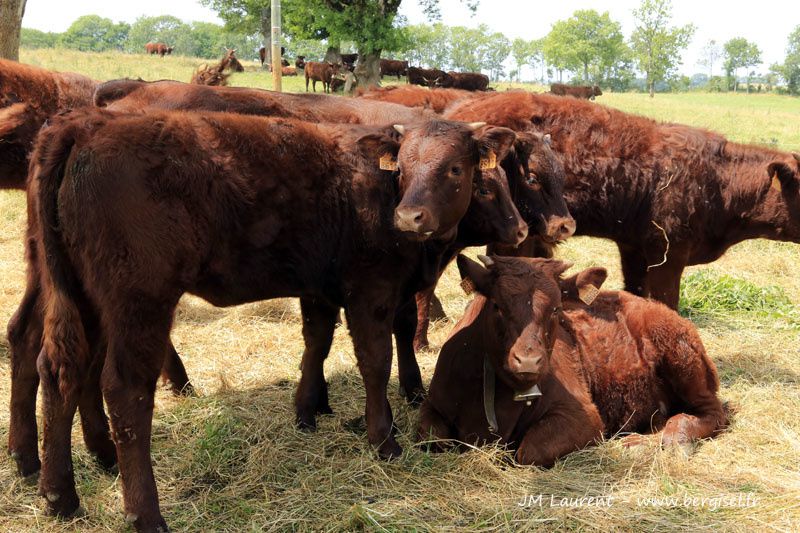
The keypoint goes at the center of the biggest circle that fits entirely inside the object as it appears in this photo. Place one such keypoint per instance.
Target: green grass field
(231, 460)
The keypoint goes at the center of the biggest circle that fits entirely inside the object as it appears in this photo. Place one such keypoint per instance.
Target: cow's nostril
(419, 217)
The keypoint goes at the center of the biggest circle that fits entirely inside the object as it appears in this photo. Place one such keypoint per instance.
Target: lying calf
(532, 365)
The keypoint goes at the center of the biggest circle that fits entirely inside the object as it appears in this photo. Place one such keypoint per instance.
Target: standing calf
(323, 72)
(533, 366)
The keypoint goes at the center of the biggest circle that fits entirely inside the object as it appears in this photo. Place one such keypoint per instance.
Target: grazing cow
(323, 72)
(158, 48)
(151, 48)
(469, 81)
(215, 75)
(413, 96)
(429, 77)
(578, 91)
(394, 67)
(230, 225)
(288, 71)
(349, 61)
(300, 62)
(532, 366)
(668, 195)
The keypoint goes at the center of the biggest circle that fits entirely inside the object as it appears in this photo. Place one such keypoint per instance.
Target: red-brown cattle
(429, 77)
(349, 61)
(158, 48)
(668, 195)
(305, 210)
(585, 92)
(469, 81)
(394, 67)
(300, 62)
(323, 72)
(262, 55)
(151, 48)
(288, 71)
(414, 96)
(532, 366)
(215, 75)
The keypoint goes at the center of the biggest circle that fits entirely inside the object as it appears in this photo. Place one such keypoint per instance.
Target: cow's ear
(585, 285)
(474, 277)
(493, 145)
(12, 117)
(381, 149)
(783, 176)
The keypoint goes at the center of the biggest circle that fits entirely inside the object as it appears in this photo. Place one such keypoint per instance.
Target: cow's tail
(64, 341)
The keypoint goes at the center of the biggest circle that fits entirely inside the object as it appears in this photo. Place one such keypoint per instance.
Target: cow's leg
(319, 322)
(94, 423)
(174, 373)
(137, 345)
(634, 269)
(25, 339)
(423, 299)
(56, 480)
(434, 431)
(405, 327)
(306, 82)
(370, 317)
(664, 281)
(569, 428)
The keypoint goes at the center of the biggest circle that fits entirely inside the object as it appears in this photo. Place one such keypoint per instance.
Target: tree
(740, 53)
(656, 45)
(92, 33)
(587, 41)
(11, 13)
(428, 45)
(525, 53)
(165, 29)
(709, 55)
(30, 38)
(790, 70)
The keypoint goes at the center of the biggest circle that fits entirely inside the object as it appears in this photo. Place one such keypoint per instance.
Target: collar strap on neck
(489, 384)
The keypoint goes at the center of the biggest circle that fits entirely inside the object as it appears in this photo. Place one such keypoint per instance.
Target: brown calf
(323, 72)
(668, 195)
(394, 67)
(413, 96)
(215, 75)
(231, 226)
(469, 81)
(535, 368)
(585, 92)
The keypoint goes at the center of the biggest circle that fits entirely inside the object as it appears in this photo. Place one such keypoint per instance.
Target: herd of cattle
(139, 192)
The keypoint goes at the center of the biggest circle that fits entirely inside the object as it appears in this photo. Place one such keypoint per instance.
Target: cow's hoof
(389, 449)
(421, 344)
(63, 504)
(305, 423)
(414, 396)
(28, 464)
(106, 457)
(158, 525)
(324, 408)
(186, 390)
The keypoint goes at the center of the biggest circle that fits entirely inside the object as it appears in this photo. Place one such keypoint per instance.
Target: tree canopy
(740, 53)
(92, 33)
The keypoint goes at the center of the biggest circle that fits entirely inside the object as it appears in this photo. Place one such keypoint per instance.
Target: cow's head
(781, 205)
(524, 302)
(334, 68)
(492, 216)
(169, 49)
(596, 91)
(437, 163)
(536, 177)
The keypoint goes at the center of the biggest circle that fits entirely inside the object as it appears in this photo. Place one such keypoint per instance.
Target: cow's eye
(483, 191)
(455, 170)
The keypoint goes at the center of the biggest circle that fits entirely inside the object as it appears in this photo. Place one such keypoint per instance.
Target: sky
(765, 22)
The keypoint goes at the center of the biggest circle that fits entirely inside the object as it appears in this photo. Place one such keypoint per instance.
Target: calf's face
(536, 177)
(782, 201)
(492, 216)
(437, 162)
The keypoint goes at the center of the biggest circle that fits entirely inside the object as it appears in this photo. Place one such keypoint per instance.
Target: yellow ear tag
(467, 285)
(489, 162)
(588, 293)
(776, 183)
(387, 162)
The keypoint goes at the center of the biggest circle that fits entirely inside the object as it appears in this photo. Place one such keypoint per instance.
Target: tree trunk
(368, 68)
(11, 13)
(652, 88)
(266, 35)
(586, 73)
(333, 55)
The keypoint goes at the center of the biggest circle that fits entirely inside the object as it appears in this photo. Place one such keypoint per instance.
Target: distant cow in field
(288, 71)
(262, 56)
(300, 62)
(668, 195)
(429, 77)
(413, 96)
(207, 225)
(215, 74)
(324, 72)
(158, 48)
(394, 67)
(469, 81)
(532, 365)
(584, 92)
